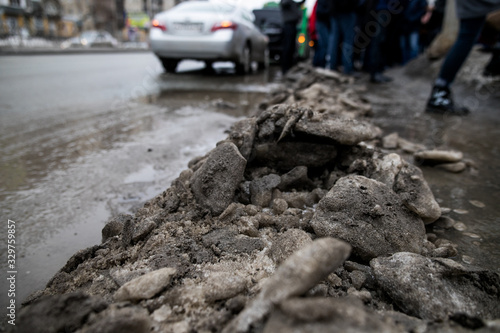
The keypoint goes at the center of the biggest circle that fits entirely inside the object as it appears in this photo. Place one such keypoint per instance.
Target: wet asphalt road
(84, 137)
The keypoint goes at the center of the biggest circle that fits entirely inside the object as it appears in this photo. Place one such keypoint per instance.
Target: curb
(28, 51)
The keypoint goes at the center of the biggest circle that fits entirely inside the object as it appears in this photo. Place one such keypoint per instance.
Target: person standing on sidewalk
(343, 20)
(409, 37)
(376, 54)
(322, 23)
(472, 15)
(292, 14)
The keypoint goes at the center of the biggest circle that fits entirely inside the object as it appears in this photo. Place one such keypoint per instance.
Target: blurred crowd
(370, 35)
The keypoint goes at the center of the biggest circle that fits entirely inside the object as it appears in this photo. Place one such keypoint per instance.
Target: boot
(441, 102)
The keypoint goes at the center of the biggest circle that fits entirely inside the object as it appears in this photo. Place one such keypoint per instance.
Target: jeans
(323, 31)
(342, 28)
(289, 45)
(374, 53)
(409, 46)
(467, 36)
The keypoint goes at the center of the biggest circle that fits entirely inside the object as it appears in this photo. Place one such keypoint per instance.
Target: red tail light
(157, 24)
(224, 25)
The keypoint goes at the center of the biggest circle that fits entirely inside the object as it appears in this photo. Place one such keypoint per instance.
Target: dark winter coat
(476, 8)
(413, 12)
(345, 6)
(291, 11)
(324, 9)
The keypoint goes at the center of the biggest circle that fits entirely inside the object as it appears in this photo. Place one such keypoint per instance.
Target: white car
(209, 31)
(91, 39)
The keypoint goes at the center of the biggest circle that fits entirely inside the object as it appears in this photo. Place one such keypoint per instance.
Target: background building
(150, 7)
(77, 17)
(30, 17)
(67, 18)
(138, 15)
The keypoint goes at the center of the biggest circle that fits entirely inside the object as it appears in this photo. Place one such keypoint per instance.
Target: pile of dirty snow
(305, 219)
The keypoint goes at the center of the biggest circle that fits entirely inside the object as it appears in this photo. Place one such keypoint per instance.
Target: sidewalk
(39, 46)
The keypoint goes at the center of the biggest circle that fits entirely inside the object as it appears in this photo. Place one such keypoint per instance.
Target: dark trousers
(323, 30)
(342, 35)
(289, 45)
(375, 53)
(467, 36)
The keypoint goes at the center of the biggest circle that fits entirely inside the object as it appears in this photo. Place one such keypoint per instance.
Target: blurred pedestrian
(376, 56)
(322, 24)
(426, 31)
(343, 20)
(472, 15)
(362, 40)
(432, 22)
(292, 14)
(391, 45)
(311, 28)
(132, 34)
(413, 13)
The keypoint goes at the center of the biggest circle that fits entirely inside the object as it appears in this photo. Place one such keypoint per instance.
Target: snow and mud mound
(300, 220)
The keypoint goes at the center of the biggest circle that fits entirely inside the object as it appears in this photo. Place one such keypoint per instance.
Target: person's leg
(322, 30)
(348, 23)
(441, 100)
(467, 36)
(289, 35)
(377, 58)
(333, 42)
(414, 45)
(403, 44)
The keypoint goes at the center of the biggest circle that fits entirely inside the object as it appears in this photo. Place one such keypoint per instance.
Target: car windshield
(204, 7)
(267, 17)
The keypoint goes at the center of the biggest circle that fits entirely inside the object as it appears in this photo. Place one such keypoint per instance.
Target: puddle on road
(477, 232)
(219, 91)
(32, 154)
(66, 210)
(31, 150)
(239, 104)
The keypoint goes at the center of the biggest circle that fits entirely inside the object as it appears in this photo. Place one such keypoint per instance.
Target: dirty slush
(303, 219)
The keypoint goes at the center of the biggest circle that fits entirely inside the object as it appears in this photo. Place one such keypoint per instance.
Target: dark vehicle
(269, 21)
